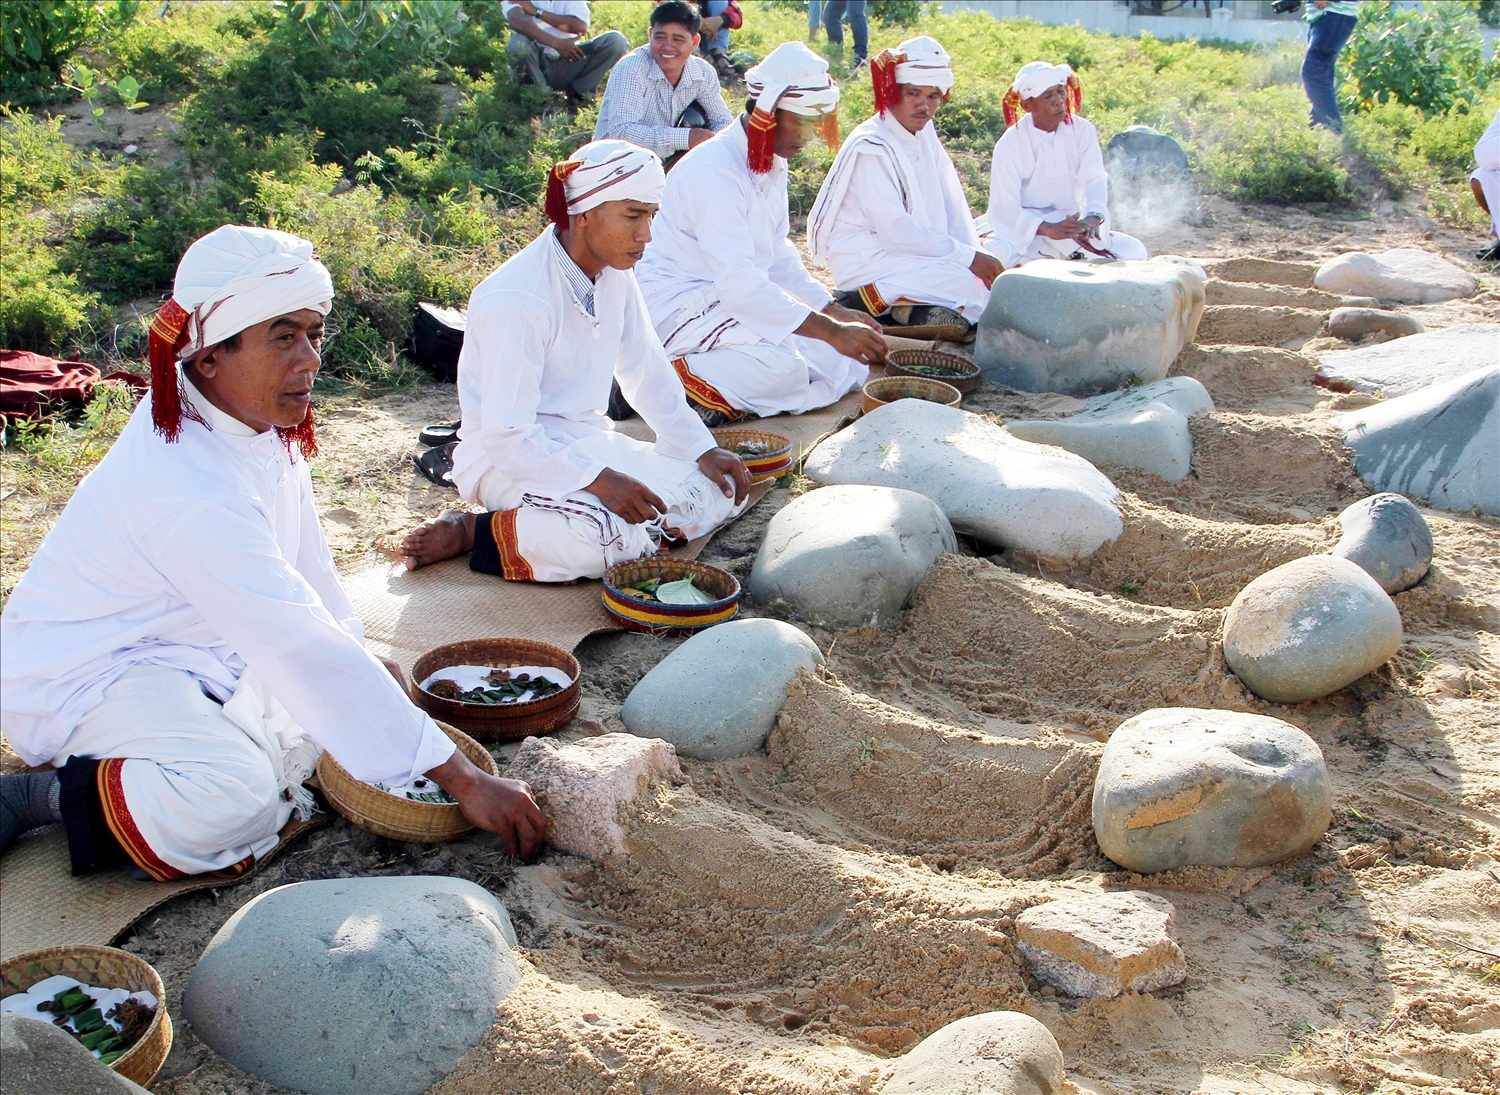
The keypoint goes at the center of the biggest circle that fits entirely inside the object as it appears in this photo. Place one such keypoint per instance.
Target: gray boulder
(1080, 328)
(848, 556)
(1183, 787)
(993, 1053)
(717, 695)
(1145, 427)
(1440, 444)
(1406, 275)
(1353, 323)
(1308, 628)
(1141, 149)
(354, 986)
(40, 1059)
(1389, 539)
(1417, 361)
(991, 485)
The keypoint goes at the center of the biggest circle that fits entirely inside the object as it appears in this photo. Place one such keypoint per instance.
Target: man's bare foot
(449, 536)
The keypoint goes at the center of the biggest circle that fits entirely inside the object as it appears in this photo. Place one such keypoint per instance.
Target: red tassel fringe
(302, 436)
(1010, 106)
(167, 334)
(556, 206)
(762, 141)
(883, 79)
(1074, 95)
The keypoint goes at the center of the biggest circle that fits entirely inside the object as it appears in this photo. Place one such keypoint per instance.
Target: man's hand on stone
(727, 470)
(500, 806)
(626, 497)
(986, 267)
(1070, 229)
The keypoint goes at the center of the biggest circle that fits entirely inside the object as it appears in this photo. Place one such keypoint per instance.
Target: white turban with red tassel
(1036, 77)
(794, 78)
(229, 280)
(599, 172)
(920, 62)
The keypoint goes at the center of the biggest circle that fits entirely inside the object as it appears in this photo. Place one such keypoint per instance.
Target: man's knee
(611, 44)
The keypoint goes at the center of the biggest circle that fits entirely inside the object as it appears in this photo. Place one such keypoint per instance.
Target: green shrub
(1258, 156)
(186, 46)
(38, 36)
(1432, 58)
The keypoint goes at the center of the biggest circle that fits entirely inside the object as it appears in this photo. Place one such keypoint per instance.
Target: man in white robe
(1485, 183)
(1049, 192)
(547, 332)
(891, 220)
(746, 326)
(180, 647)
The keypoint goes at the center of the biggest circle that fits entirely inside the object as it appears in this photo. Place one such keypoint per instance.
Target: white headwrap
(792, 77)
(924, 63)
(611, 171)
(238, 276)
(1037, 77)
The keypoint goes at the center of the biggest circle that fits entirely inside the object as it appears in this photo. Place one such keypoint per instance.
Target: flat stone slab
(1308, 628)
(1103, 944)
(990, 484)
(40, 1059)
(718, 694)
(849, 555)
(1440, 444)
(1145, 427)
(582, 786)
(1406, 275)
(1298, 275)
(1182, 787)
(354, 986)
(1388, 538)
(1418, 361)
(1081, 328)
(993, 1053)
(1353, 323)
(1246, 325)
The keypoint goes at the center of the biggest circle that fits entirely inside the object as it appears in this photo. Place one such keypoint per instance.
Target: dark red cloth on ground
(28, 381)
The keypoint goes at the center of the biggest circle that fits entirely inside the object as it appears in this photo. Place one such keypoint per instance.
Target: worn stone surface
(993, 1053)
(581, 786)
(991, 485)
(1144, 427)
(1101, 945)
(1262, 325)
(1140, 149)
(1441, 444)
(1406, 275)
(849, 555)
(1388, 538)
(1298, 275)
(40, 1059)
(1417, 361)
(1353, 323)
(1080, 328)
(1308, 628)
(717, 695)
(354, 986)
(1180, 787)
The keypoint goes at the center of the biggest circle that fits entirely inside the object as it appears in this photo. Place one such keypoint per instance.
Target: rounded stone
(354, 986)
(1405, 275)
(1388, 538)
(1308, 628)
(40, 1059)
(1181, 787)
(1141, 149)
(994, 1053)
(718, 694)
(1352, 323)
(849, 556)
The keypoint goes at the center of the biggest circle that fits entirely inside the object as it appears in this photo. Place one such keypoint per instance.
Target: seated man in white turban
(747, 327)
(891, 220)
(547, 332)
(1049, 193)
(1485, 183)
(180, 648)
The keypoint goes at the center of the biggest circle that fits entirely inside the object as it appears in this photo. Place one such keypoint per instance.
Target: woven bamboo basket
(772, 464)
(639, 614)
(400, 818)
(961, 373)
(102, 968)
(888, 389)
(499, 721)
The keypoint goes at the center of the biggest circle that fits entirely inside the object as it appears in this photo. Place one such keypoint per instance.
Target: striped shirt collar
(581, 283)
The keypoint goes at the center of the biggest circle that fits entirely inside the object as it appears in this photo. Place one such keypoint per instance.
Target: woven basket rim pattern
(440, 657)
(873, 388)
(618, 573)
(940, 359)
(735, 433)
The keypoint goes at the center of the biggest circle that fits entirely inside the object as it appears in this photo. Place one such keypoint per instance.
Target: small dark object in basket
(446, 689)
(133, 1017)
(437, 336)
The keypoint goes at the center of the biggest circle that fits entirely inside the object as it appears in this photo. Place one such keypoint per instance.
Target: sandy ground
(790, 921)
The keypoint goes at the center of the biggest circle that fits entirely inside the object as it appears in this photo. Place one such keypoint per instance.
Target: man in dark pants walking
(834, 13)
(1330, 22)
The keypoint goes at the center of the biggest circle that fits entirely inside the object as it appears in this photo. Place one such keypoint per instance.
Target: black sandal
(437, 464)
(440, 433)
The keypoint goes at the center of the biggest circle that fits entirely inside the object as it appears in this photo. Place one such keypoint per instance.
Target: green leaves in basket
(682, 592)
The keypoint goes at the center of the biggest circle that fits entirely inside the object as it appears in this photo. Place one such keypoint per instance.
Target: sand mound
(1259, 379)
(1285, 296)
(1254, 326)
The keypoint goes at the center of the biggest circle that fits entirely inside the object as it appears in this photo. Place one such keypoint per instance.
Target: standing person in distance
(1329, 24)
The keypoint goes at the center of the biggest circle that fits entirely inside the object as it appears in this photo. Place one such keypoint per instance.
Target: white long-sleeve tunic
(1487, 162)
(534, 377)
(203, 555)
(892, 212)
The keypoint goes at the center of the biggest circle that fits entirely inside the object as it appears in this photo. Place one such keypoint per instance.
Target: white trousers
(1489, 182)
(791, 377)
(198, 794)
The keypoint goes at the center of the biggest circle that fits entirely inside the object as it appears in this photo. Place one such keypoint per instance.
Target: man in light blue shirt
(1330, 22)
